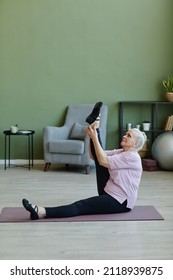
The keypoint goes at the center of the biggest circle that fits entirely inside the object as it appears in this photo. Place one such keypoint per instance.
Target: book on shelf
(169, 123)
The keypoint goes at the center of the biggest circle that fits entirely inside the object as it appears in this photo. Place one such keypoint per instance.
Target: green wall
(59, 52)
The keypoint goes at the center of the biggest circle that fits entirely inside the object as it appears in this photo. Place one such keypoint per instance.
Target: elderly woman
(118, 175)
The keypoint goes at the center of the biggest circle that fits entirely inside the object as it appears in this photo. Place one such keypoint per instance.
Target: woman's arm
(89, 150)
(100, 153)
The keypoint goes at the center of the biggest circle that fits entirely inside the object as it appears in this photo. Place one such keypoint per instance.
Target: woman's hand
(100, 153)
(91, 132)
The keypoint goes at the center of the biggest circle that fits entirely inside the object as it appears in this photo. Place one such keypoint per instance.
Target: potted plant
(168, 85)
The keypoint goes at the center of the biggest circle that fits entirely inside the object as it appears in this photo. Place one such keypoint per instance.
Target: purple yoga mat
(139, 213)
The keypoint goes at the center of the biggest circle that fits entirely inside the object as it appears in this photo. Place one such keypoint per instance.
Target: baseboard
(22, 161)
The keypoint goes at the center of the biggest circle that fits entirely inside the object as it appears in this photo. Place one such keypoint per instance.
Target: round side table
(25, 133)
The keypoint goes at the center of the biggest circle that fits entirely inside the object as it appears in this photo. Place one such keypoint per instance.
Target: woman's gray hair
(140, 138)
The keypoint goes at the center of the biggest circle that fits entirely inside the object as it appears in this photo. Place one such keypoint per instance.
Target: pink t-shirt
(125, 176)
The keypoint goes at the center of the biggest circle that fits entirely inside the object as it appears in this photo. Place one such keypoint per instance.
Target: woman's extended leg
(104, 204)
(102, 173)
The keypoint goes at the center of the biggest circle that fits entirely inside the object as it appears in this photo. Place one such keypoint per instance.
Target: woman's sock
(96, 124)
(40, 211)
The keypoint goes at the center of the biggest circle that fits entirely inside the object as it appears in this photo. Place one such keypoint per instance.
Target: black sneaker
(95, 113)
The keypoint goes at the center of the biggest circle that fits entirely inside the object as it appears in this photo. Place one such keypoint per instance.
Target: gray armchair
(68, 144)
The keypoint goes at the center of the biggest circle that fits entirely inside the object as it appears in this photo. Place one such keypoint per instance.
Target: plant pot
(146, 126)
(169, 96)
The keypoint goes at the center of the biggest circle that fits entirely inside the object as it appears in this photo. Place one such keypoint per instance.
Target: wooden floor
(86, 240)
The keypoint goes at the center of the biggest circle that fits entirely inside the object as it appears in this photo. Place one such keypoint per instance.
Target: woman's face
(128, 141)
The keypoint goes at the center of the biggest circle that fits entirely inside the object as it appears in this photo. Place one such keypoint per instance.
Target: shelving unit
(136, 112)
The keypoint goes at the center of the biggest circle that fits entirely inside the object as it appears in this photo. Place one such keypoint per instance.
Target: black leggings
(101, 204)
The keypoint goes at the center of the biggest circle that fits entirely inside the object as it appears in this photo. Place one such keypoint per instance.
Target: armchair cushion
(67, 147)
(78, 131)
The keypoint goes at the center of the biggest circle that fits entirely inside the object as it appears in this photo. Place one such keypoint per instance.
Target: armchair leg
(87, 168)
(47, 165)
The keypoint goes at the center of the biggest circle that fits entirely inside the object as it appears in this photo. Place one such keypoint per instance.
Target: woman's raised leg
(102, 173)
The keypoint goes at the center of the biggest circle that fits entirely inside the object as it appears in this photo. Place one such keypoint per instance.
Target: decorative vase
(169, 96)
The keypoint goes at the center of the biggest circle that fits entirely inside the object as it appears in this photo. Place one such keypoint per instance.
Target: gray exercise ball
(162, 150)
